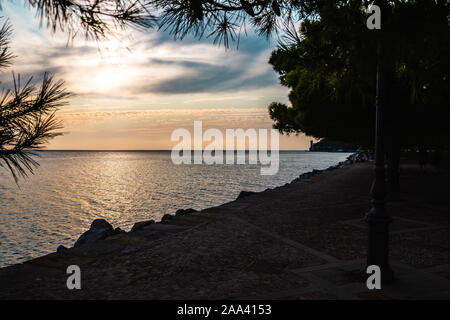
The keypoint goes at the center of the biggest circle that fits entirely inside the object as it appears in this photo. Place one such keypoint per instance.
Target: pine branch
(27, 115)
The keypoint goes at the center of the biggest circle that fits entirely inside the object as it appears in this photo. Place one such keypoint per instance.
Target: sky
(132, 91)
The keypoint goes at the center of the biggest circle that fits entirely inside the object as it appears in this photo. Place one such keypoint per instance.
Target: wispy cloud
(151, 129)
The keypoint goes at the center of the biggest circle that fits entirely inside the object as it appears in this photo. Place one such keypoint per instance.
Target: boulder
(119, 231)
(244, 194)
(310, 174)
(182, 212)
(140, 225)
(306, 175)
(101, 224)
(61, 248)
(100, 229)
(167, 217)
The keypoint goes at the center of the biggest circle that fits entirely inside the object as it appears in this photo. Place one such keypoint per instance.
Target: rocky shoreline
(101, 229)
(306, 239)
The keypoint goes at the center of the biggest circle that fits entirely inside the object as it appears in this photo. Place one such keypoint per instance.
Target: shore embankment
(101, 229)
(304, 240)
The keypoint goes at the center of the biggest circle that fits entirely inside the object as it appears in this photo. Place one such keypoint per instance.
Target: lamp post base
(378, 245)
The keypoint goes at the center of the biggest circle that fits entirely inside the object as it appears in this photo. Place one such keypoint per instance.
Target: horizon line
(147, 150)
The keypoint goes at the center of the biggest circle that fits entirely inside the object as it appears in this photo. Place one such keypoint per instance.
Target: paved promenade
(305, 240)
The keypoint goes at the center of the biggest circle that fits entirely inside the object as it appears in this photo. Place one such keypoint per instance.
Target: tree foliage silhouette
(332, 76)
(330, 66)
(96, 19)
(27, 114)
(222, 20)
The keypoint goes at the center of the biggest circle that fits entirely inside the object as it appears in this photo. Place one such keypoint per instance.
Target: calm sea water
(70, 189)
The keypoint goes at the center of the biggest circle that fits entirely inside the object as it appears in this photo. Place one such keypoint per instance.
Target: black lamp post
(378, 218)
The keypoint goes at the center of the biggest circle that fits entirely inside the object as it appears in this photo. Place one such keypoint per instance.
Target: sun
(112, 68)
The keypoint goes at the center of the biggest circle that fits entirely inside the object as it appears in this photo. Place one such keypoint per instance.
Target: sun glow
(112, 67)
(109, 78)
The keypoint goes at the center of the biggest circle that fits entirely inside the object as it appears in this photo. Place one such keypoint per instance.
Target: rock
(101, 224)
(244, 194)
(119, 231)
(182, 212)
(306, 175)
(165, 227)
(167, 217)
(61, 248)
(100, 229)
(140, 225)
(310, 174)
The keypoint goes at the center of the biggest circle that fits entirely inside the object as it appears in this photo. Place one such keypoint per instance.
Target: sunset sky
(133, 91)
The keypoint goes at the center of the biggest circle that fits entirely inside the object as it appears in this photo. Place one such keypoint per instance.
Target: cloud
(140, 63)
(152, 129)
(132, 92)
(203, 78)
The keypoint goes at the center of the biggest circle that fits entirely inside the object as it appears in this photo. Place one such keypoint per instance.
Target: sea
(70, 189)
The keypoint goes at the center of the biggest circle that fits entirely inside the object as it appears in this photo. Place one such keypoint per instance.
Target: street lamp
(378, 218)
